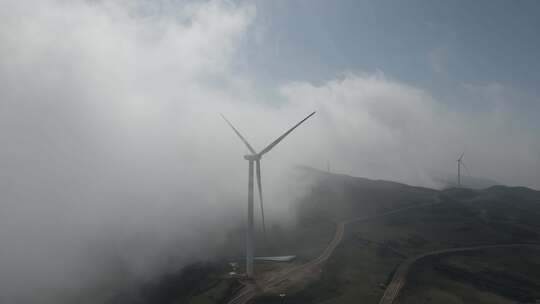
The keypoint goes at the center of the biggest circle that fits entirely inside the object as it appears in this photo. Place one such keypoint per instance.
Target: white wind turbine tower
(255, 157)
(460, 164)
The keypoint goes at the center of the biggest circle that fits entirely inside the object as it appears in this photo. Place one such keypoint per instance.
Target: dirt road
(272, 281)
(400, 276)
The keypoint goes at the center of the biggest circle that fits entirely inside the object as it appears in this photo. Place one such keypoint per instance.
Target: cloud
(109, 164)
(378, 127)
(375, 126)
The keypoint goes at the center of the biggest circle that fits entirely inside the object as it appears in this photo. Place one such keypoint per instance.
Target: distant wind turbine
(251, 158)
(460, 164)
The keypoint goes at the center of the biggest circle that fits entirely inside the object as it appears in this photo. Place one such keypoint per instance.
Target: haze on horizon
(111, 136)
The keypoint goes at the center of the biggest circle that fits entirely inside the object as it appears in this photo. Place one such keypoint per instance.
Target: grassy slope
(371, 250)
(197, 283)
(491, 276)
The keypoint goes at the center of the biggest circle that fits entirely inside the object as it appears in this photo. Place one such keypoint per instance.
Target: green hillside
(374, 246)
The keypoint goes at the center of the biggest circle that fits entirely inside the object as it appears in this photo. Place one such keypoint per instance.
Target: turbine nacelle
(252, 157)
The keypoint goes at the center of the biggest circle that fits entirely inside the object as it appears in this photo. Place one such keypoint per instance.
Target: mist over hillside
(404, 221)
(444, 180)
(116, 166)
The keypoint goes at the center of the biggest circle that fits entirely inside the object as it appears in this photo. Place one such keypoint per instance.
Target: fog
(116, 164)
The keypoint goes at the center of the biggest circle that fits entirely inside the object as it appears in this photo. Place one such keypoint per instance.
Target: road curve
(253, 288)
(400, 276)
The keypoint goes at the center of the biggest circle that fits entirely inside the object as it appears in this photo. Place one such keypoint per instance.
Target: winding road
(261, 285)
(400, 276)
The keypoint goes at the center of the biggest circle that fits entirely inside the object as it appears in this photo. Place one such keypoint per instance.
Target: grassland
(365, 260)
(490, 276)
(371, 250)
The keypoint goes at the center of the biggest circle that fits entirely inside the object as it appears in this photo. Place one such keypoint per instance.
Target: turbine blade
(461, 156)
(466, 169)
(259, 186)
(275, 142)
(239, 135)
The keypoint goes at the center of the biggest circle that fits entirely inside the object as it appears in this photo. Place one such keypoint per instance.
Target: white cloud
(379, 127)
(105, 141)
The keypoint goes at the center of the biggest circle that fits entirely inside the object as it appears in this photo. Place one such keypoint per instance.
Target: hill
(398, 222)
(371, 250)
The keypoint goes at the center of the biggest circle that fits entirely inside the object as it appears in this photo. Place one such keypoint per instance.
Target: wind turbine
(459, 164)
(255, 157)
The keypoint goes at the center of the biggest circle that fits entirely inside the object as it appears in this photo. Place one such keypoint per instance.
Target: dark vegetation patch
(506, 284)
(371, 250)
(416, 241)
(517, 231)
(476, 276)
(464, 228)
(462, 193)
(180, 286)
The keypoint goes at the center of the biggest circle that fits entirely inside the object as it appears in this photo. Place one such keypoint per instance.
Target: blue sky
(437, 45)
